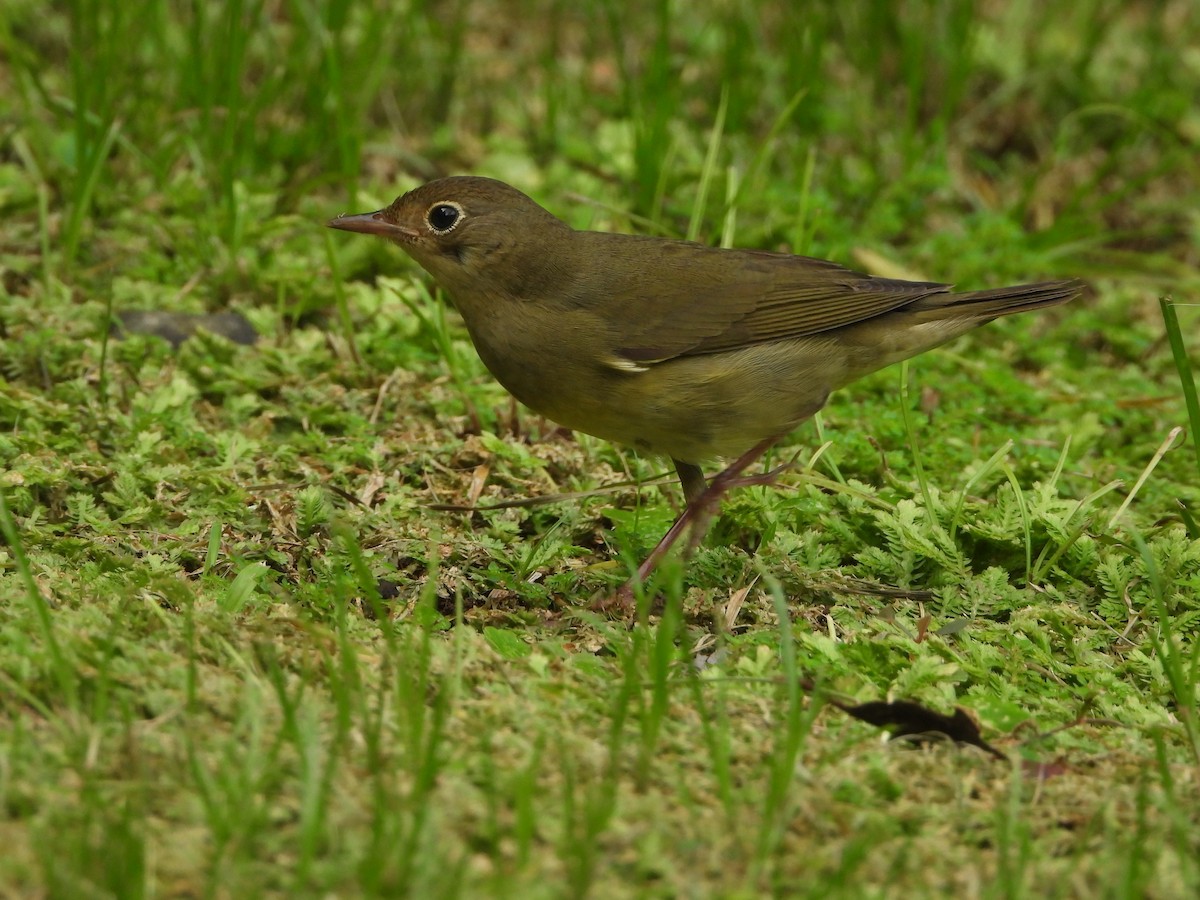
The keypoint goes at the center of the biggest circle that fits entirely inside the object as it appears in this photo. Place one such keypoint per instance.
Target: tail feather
(991, 304)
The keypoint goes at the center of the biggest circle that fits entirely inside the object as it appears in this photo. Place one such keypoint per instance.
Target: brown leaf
(907, 718)
(177, 327)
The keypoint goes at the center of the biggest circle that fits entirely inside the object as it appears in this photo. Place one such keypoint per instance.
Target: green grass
(249, 647)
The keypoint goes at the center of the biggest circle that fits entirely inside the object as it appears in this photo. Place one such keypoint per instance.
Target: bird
(672, 347)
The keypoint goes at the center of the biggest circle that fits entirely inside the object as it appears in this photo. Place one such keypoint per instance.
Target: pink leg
(697, 516)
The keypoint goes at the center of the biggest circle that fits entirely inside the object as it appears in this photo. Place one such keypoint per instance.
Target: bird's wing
(701, 300)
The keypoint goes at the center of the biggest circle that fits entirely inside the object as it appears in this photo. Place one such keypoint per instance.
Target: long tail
(1006, 301)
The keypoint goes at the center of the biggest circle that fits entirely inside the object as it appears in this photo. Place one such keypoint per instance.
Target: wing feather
(701, 300)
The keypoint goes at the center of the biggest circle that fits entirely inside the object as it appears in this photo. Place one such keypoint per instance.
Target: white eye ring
(444, 216)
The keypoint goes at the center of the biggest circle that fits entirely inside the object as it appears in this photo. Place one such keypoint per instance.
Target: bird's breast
(696, 408)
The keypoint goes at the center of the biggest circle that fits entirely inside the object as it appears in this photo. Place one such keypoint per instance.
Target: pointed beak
(371, 223)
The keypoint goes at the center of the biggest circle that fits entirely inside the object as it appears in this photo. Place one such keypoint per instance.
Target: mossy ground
(245, 647)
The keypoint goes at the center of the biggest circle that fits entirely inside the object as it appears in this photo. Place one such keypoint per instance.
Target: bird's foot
(695, 521)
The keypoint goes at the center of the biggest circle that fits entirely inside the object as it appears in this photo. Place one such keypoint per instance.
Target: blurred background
(967, 135)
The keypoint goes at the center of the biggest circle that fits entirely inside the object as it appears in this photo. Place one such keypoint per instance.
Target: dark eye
(443, 216)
